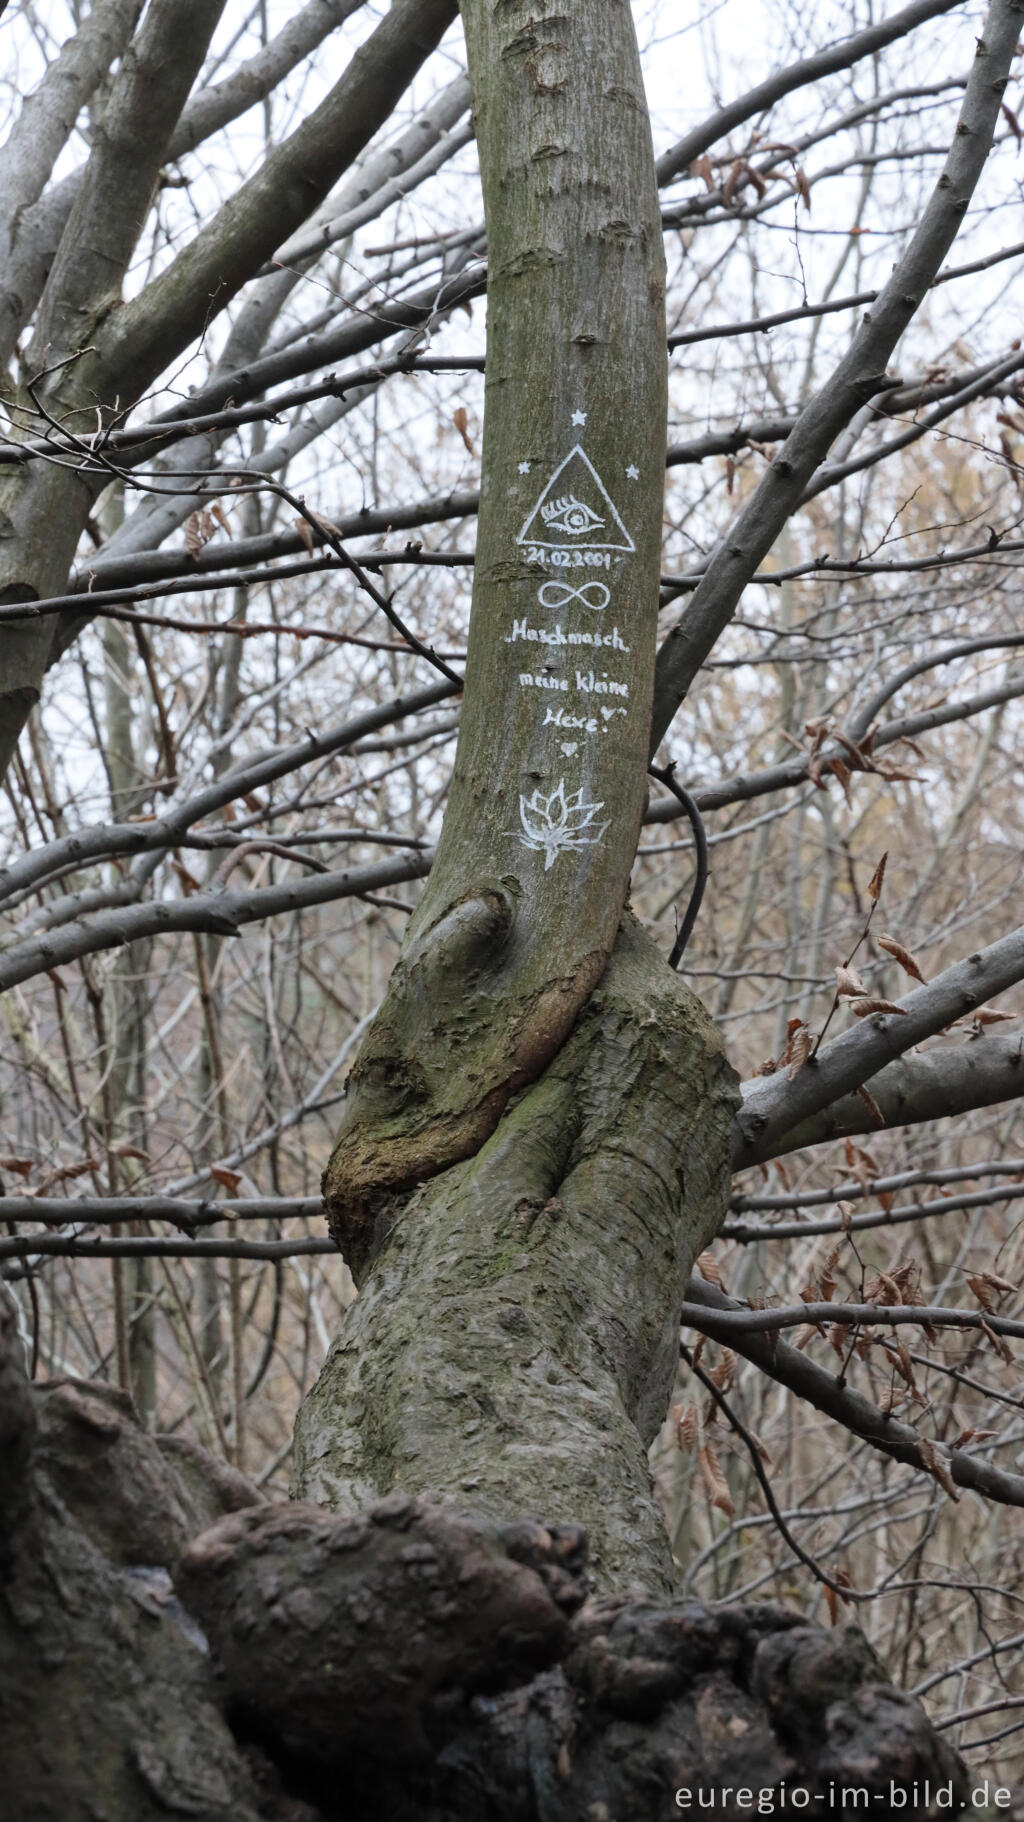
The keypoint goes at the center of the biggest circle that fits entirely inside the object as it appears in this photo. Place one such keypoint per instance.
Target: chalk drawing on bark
(595, 595)
(558, 822)
(575, 510)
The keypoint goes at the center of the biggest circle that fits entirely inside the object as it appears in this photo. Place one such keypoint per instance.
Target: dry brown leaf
(460, 418)
(1000, 1343)
(221, 517)
(875, 882)
(989, 1287)
(884, 1289)
(839, 768)
(22, 1167)
(967, 1436)
(305, 531)
(701, 167)
(849, 984)
(983, 1292)
(998, 1283)
(803, 187)
(199, 528)
(985, 1015)
(906, 961)
(714, 1480)
(793, 1026)
(865, 1095)
(905, 1367)
(707, 1265)
(687, 1427)
(869, 1003)
(936, 1467)
(228, 1179)
(800, 1049)
(725, 1372)
(737, 172)
(67, 1173)
(833, 1595)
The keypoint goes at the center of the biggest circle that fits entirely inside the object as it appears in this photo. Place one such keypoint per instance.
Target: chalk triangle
(576, 510)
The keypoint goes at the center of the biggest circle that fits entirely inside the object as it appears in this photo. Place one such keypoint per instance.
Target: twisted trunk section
(516, 1341)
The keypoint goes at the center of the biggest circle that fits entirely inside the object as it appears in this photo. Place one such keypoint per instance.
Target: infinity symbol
(566, 593)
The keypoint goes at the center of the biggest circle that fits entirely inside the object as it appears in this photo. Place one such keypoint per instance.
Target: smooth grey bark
(138, 340)
(43, 508)
(385, 173)
(950, 1079)
(42, 224)
(544, 810)
(48, 116)
(774, 1104)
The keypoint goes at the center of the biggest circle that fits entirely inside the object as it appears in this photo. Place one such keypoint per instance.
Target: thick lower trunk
(515, 1341)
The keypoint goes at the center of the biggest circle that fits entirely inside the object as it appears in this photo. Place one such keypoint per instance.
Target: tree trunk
(520, 913)
(515, 1340)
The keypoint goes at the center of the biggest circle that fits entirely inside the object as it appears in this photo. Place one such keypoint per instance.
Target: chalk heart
(607, 713)
(569, 747)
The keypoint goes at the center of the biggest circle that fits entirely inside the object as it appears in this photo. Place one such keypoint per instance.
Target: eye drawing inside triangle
(576, 510)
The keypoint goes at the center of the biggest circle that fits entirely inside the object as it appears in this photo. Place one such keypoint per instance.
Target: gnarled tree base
(407, 1662)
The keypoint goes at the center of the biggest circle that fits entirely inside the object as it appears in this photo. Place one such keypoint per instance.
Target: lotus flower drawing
(558, 821)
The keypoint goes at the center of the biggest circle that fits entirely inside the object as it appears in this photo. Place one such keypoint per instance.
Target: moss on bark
(515, 1341)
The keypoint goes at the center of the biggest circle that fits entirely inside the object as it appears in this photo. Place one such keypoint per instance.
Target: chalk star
(633, 472)
(524, 467)
(579, 417)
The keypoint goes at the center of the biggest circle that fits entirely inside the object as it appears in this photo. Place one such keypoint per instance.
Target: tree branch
(789, 1367)
(853, 383)
(177, 306)
(841, 56)
(945, 1081)
(773, 1105)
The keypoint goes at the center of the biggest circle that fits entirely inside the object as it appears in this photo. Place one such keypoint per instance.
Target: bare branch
(950, 1079)
(790, 1367)
(856, 379)
(773, 1105)
(175, 307)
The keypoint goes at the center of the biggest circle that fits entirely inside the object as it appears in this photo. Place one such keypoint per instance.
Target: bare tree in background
(246, 452)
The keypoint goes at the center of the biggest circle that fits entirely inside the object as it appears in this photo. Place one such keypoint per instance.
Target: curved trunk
(516, 1338)
(520, 914)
